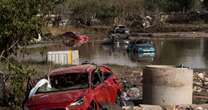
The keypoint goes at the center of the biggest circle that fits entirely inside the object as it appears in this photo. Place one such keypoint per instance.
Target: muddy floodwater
(190, 52)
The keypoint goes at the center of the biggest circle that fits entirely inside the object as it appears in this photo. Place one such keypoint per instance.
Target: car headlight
(127, 32)
(78, 102)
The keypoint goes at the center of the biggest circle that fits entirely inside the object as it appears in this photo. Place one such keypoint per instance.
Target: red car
(78, 38)
(83, 87)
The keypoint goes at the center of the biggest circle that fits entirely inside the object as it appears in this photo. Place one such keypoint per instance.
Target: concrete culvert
(167, 85)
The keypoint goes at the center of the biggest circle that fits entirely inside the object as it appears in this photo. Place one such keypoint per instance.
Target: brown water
(192, 53)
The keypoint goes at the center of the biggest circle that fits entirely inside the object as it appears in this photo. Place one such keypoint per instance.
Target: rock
(151, 107)
(200, 82)
(134, 92)
(201, 75)
(199, 108)
(132, 108)
(183, 107)
(197, 89)
(169, 107)
(110, 107)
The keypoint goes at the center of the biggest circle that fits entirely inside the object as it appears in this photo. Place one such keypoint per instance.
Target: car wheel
(92, 106)
(110, 107)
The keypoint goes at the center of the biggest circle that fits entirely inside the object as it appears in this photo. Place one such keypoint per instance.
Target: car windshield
(122, 27)
(66, 82)
(144, 45)
(69, 34)
(142, 41)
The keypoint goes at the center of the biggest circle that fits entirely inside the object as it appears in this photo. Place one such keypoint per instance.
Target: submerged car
(71, 38)
(76, 36)
(83, 87)
(141, 46)
(119, 32)
(121, 29)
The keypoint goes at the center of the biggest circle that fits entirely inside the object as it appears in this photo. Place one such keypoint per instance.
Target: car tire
(92, 106)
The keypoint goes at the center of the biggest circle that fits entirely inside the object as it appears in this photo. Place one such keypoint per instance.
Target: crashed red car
(77, 37)
(83, 87)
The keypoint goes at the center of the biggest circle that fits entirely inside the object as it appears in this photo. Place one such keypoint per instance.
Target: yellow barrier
(70, 57)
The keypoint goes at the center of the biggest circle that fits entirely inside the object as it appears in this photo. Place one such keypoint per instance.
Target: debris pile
(200, 84)
(132, 87)
(132, 77)
(171, 107)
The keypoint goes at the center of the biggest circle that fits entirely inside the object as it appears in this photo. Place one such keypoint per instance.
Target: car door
(99, 88)
(110, 85)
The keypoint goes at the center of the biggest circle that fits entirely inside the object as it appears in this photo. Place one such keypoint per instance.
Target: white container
(64, 57)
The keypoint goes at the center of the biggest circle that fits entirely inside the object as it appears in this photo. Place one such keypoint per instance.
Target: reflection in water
(187, 52)
(205, 51)
(193, 53)
(190, 52)
(105, 54)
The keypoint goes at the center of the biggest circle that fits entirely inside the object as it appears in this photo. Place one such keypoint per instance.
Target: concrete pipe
(167, 85)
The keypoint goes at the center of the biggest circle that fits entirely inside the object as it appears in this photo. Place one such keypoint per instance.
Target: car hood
(55, 97)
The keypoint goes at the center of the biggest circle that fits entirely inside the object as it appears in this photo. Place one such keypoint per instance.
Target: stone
(151, 107)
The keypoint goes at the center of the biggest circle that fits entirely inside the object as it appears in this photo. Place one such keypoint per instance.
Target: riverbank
(170, 31)
(171, 35)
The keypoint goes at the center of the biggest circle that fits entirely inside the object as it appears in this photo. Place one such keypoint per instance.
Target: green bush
(16, 78)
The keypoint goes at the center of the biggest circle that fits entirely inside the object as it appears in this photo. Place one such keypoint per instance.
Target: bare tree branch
(2, 53)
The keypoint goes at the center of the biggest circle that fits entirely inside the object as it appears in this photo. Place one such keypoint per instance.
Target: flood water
(190, 52)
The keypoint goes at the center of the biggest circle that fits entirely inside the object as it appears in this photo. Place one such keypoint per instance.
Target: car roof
(73, 69)
(120, 26)
(70, 34)
(144, 45)
(141, 41)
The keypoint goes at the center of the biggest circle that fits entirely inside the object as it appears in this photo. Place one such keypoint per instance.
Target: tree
(19, 22)
(205, 4)
(169, 5)
(85, 10)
